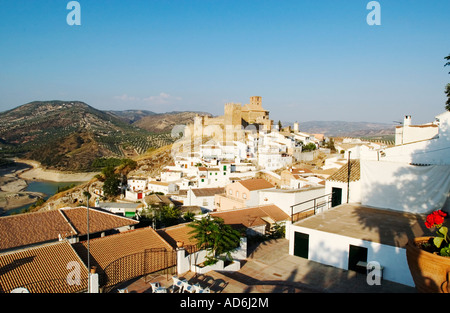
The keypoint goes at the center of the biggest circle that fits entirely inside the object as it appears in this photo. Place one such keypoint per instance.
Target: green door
(301, 245)
(336, 197)
(355, 255)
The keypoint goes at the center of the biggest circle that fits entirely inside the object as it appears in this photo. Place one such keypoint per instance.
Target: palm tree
(214, 236)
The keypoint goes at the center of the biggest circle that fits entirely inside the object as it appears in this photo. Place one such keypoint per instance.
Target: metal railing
(317, 204)
(136, 265)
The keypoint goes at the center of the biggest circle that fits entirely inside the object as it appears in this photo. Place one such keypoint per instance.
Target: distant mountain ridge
(346, 129)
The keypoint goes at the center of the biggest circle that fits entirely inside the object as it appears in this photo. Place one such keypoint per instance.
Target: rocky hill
(70, 135)
(162, 123)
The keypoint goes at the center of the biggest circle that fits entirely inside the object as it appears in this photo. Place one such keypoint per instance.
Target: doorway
(336, 196)
(357, 254)
(301, 245)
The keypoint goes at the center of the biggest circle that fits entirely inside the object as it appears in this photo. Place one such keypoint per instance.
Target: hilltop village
(330, 197)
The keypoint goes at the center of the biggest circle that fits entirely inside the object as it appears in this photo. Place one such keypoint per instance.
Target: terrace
(270, 269)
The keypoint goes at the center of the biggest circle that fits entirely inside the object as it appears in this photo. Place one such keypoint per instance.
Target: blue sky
(309, 60)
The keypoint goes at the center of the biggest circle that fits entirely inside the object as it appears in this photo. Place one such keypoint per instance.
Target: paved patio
(270, 269)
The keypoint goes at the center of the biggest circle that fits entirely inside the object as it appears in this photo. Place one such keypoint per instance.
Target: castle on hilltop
(236, 116)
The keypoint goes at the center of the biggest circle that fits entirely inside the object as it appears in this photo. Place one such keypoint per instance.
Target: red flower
(435, 219)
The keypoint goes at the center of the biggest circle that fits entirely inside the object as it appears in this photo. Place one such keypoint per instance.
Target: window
(237, 194)
(230, 192)
(244, 195)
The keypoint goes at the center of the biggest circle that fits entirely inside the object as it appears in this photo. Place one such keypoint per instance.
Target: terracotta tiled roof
(98, 220)
(177, 233)
(40, 227)
(342, 174)
(107, 249)
(157, 199)
(159, 183)
(31, 228)
(256, 184)
(250, 217)
(43, 269)
(207, 192)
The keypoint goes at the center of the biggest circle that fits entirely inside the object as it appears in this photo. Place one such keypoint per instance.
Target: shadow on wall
(404, 187)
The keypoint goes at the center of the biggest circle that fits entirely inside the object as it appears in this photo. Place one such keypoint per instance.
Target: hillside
(161, 123)
(131, 116)
(148, 164)
(70, 135)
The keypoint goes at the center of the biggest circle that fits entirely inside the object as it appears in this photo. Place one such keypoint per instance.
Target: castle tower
(233, 114)
(199, 124)
(256, 100)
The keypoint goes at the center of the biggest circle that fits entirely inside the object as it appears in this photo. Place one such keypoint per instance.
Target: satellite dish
(20, 290)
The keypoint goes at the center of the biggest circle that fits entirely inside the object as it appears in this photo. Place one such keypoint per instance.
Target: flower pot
(429, 271)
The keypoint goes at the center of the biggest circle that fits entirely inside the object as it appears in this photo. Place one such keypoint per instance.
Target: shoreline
(37, 173)
(15, 179)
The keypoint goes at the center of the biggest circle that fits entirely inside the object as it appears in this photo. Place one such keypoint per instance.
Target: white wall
(284, 199)
(331, 249)
(403, 187)
(355, 190)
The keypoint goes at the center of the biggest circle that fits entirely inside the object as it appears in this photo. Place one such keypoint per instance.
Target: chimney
(93, 281)
(407, 120)
(296, 127)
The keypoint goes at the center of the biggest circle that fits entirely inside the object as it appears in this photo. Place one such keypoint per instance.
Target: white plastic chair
(156, 288)
(199, 289)
(187, 287)
(177, 283)
(204, 290)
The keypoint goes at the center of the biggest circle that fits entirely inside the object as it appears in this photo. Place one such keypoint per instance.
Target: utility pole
(87, 194)
(348, 176)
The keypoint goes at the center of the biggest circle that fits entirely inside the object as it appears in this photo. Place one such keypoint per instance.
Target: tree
(214, 236)
(309, 147)
(447, 88)
(111, 185)
(87, 195)
(161, 216)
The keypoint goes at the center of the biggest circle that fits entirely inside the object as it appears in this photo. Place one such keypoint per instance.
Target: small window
(230, 192)
(237, 194)
(244, 195)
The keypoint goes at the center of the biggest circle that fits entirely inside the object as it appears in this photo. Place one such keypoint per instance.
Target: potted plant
(429, 257)
(214, 236)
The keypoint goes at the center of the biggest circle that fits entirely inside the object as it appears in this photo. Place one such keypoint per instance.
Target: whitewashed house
(203, 197)
(137, 183)
(164, 187)
(168, 175)
(388, 202)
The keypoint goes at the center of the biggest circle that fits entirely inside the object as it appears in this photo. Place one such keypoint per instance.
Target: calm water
(47, 188)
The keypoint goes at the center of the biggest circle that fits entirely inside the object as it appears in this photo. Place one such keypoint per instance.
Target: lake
(46, 187)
